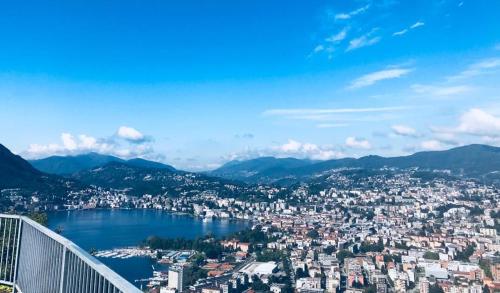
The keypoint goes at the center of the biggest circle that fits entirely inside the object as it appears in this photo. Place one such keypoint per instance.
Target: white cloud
(125, 144)
(445, 136)
(417, 24)
(318, 48)
(68, 141)
(432, 145)
(130, 133)
(353, 142)
(403, 130)
(400, 33)
(292, 148)
(337, 37)
(482, 67)
(404, 31)
(372, 78)
(363, 41)
(441, 91)
(305, 150)
(473, 124)
(344, 16)
(478, 122)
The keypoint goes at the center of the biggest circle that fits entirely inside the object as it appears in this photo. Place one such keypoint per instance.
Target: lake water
(107, 229)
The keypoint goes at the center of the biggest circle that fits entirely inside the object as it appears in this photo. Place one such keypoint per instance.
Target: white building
(176, 278)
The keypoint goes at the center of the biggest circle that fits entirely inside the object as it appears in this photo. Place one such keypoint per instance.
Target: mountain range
(67, 165)
(56, 175)
(474, 161)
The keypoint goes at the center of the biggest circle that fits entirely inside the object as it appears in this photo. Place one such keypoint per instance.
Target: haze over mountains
(60, 173)
(475, 161)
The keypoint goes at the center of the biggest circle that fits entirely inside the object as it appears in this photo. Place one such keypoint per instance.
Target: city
(250, 146)
(347, 230)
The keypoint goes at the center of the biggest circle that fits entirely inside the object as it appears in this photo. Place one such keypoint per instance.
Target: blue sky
(198, 83)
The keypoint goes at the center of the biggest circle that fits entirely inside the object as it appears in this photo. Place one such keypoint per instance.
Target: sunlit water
(106, 229)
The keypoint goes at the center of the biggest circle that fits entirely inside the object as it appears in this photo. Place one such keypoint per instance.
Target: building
(176, 278)
(259, 268)
(210, 290)
(495, 271)
(424, 285)
(308, 284)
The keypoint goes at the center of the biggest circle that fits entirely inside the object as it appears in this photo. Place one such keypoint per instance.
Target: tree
(466, 253)
(329, 249)
(258, 285)
(435, 289)
(431, 255)
(485, 265)
(313, 234)
(302, 273)
(371, 289)
(40, 218)
(343, 254)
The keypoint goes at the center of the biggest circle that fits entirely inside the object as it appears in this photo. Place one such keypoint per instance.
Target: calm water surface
(106, 229)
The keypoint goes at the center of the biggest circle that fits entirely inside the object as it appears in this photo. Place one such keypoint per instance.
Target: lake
(107, 229)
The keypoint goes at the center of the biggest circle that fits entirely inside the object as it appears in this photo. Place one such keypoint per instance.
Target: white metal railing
(34, 259)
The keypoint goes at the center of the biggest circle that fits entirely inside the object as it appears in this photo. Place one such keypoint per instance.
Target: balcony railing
(34, 259)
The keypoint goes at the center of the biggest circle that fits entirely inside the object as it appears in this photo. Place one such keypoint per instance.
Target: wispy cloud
(348, 15)
(417, 24)
(318, 48)
(330, 43)
(403, 130)
(364, 41)
(413, 26)
(331, 125)
(304, 111)
(441, 91)
(374, 77)
(338, 36)
(244, 136)
(482, 67)
(401, 32)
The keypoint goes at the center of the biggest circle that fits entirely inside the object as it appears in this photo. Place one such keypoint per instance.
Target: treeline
(253, 236)
(210, 247)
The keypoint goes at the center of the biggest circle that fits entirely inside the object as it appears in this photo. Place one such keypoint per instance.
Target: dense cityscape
(250, 146)
(344, 230)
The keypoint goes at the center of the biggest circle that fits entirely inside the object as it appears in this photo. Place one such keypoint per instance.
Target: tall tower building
(176, 277)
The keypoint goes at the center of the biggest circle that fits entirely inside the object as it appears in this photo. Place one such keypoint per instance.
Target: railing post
(19, 228)
(63, 268)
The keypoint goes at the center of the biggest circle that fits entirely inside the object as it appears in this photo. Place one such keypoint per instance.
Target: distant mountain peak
(66, 165)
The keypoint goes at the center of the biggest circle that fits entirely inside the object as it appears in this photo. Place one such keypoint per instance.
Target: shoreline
(150, 209)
